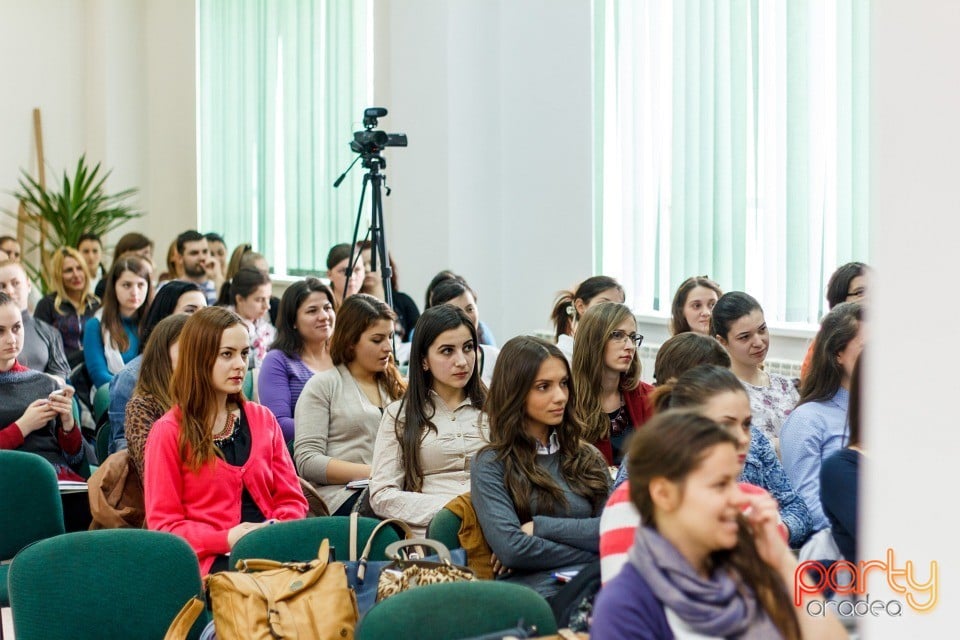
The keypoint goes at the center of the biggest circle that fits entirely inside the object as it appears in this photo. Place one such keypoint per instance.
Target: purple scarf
(714, 606)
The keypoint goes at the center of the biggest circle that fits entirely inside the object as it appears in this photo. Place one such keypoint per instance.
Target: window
(282, 86)
(732, 140)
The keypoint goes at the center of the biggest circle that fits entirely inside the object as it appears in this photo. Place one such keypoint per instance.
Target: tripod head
(369, 142)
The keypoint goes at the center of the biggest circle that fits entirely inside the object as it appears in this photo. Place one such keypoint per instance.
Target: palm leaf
(81, 205)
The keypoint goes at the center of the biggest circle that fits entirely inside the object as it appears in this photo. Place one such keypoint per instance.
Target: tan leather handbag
(265, 600)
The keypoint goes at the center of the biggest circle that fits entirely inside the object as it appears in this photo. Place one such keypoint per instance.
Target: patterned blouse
(772, 404)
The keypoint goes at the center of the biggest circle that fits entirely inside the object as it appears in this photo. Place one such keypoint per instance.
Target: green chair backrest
(32, 509)
(456, 610)
(101, 402)
(299, 540)
(444, 527)
(248, 385)
(132, 583)
(103, 442)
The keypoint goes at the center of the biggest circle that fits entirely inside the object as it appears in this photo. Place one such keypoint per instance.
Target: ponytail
(563, 314)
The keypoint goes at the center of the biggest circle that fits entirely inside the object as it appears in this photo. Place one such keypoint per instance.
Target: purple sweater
(281, 380)
(627, 609)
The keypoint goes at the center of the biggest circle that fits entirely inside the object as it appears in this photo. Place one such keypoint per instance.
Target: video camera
(370, 142)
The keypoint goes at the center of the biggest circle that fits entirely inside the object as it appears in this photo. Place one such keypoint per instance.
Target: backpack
(266, 599)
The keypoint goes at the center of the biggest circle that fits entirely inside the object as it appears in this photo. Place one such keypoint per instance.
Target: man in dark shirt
(42, 344)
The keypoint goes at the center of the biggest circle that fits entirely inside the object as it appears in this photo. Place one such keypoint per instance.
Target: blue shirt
(93, 349)
(121, 390)
(763, 469)
(810, 434)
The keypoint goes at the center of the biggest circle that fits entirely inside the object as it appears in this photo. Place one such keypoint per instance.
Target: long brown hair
(593, 333)
(581, 465)
(356, 315)
(191, 388)
(110, 319)
(672, 445)
(838, 329)
(156, 369)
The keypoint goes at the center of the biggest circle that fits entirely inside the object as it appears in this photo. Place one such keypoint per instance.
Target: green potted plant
(81, 205)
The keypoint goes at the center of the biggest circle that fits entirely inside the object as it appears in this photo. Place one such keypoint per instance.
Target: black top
(839, 483)
(236, 451)
(620, 428)
(407, 315)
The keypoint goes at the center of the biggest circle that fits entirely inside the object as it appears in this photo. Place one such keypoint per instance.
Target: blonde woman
(68, 307)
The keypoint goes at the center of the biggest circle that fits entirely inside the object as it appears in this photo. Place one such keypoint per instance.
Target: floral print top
(771, 405)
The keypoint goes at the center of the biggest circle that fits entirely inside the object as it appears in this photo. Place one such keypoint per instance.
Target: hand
(61, 401)
(214, 272)
(37, 415)
(241, 530)
(763, 517)
(498, 568)
(527, 528)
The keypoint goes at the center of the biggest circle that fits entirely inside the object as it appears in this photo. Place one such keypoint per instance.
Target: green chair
(299, 540)
(457, 610)
(101, 402)
(32, 509)
(248, 385)
(444, 527)
(103, 442)
(142, 579)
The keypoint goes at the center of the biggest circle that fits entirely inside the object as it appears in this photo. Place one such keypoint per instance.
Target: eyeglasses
(623, 336)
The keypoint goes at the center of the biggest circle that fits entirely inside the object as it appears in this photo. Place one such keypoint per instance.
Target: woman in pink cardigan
(216, 465)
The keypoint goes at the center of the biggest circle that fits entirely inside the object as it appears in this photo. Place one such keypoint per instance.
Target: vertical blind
(282, 86)
(731, 141)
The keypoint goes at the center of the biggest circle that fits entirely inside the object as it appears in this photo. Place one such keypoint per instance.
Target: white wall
(114, 79)
(496, 182)
(913, 439)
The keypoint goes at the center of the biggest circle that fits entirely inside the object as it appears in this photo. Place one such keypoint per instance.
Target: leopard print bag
(408, 571)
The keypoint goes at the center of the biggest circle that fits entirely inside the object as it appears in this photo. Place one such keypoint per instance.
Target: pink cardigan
(203, 506)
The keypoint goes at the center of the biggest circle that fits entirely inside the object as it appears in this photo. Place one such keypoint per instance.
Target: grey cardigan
(333, 420)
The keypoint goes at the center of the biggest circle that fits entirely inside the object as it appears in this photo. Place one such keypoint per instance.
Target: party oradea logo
(843, 587)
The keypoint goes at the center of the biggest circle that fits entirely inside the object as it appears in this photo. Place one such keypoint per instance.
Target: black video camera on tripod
(369, 143)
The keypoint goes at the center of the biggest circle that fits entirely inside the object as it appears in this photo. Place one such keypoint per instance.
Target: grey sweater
(558, 541)
(43, 348)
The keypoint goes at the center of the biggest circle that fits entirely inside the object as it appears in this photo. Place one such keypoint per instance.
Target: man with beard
(193, 256)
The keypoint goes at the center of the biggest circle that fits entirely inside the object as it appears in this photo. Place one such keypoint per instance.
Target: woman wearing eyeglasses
(610, 401)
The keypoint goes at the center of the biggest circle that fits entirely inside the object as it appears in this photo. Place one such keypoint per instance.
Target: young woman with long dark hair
(818, 426)
(739, 325)
(339, 410)
(538, 487)
(421, 458)
(216, 466)
(110, 338)
(305, 323)
(248, 294)
(708, 559)
(151, 397)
